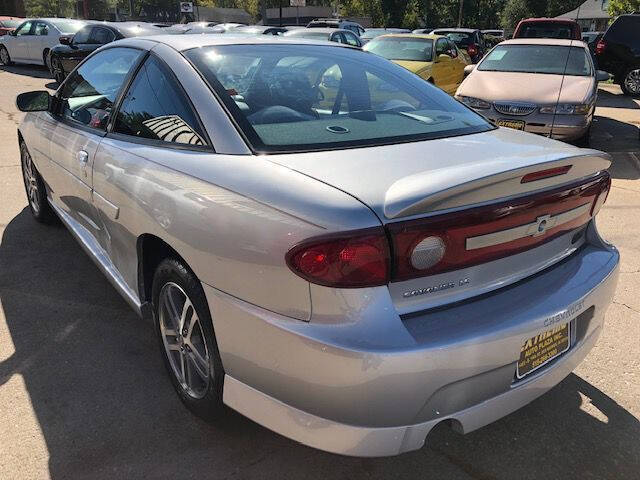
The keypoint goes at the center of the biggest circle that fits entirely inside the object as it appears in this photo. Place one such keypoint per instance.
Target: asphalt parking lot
(84, 394)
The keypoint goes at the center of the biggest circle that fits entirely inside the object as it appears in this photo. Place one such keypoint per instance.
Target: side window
(337, 37)
(82, 36)
(24, 29)
(41, 29)
(89, 93)
(156, 107)
(101, 36)
(351, 39)
(441, 46)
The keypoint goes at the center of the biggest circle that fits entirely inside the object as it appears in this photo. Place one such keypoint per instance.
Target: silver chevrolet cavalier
(326, 243)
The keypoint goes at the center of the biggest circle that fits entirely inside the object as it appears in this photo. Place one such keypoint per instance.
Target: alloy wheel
(632, 81)
(184, 341)
(4, 56)
(30, 182)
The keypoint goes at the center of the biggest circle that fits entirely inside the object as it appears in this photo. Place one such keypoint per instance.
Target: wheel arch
(151, 250)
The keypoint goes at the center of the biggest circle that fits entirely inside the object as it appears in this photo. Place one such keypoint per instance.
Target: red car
(548, 28)
(9, 24)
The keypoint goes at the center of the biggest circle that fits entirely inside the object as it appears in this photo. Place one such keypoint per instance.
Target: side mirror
(468, 69)
(65, 39)
(443, 57)
(12, 33)
(37, 101)
(601, 76)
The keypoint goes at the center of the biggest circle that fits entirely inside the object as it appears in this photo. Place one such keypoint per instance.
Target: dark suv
(618, 52)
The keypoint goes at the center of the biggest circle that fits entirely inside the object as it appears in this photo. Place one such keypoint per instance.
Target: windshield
(551, 59)
(312, 97)
(10, 23)
(461, 39)
(67, 26)
(402, 48)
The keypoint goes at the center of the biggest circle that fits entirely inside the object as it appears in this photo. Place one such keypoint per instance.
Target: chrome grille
(511, 108)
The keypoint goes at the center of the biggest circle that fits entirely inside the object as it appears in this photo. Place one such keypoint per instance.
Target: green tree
(618, 7)
(513, 12)
(48, 8)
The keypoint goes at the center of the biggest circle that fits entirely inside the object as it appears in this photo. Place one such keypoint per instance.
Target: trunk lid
(414, 179)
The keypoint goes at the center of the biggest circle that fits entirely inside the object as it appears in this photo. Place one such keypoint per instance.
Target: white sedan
(32, 40)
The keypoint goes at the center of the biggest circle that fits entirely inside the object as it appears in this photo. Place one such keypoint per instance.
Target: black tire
(208, 405)
(584, 140)
(56, 69)
(47, 60)
(635, 71)
(35, 189)
(4, 54)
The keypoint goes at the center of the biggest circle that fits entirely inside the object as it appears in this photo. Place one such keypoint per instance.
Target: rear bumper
(333, 387)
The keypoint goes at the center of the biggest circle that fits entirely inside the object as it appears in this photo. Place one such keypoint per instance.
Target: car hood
(414, 178)
(413, 66)
(540, 88)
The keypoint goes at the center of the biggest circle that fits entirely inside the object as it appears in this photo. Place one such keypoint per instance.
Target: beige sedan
(543, 86)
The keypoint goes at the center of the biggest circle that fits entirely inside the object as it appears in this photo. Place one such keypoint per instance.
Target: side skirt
(90, 245)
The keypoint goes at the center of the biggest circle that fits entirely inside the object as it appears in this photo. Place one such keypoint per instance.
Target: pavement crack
(627, 306)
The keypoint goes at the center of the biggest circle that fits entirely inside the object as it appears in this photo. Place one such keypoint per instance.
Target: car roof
(544, 41)
(548, 19)
(328, 31)
(430, 36)
(186, 42)
(463, 30)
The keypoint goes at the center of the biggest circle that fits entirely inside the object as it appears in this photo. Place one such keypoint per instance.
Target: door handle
(83, 158)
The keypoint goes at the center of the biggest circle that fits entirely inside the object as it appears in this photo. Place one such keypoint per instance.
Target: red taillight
(472, 50)
(348, 260)
(450, 241)
(478, 235)
(601, 47)
(542, 174)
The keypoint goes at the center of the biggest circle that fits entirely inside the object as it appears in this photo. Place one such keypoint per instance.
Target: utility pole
(460, 13)
(130, 10)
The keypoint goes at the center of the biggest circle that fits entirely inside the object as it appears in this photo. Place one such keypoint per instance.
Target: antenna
(566, 65)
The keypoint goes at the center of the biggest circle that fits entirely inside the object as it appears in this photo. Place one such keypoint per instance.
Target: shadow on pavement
(612, 135)
(107, 409)
(34, 71)
(615, 100)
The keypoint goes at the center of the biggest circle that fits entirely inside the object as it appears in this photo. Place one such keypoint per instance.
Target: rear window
(461, 39)
(311, 97)
(625, 30)
(545, 30)
(10, 23)
(402, 48)
(549, 59)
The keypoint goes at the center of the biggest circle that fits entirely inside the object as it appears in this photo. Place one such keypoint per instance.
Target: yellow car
(433, 57)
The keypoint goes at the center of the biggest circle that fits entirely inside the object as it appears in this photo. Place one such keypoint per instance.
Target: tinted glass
(461, 39)
(25, 29)
(41, 29)
(67, 26)
(545, 30)
(537, 59)
(310, 97)
(101, 36)
(402, 48)
(155, 107)
(625, 30)
(351, 39)
(82, 36)
(89, 93)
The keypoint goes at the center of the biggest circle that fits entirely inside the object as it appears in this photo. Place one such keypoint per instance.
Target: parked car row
(324, 241)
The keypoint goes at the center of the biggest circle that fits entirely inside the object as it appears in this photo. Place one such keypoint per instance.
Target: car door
(77, 49)
(19, 45)
(83, 108)
(156, 119)
(442, 68)
(39, 41)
